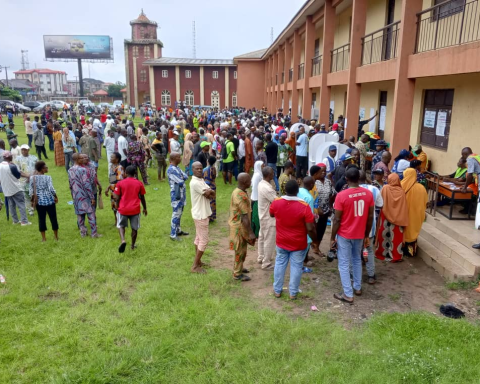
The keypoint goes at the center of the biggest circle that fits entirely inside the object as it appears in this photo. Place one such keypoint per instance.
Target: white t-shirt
(122, 144)
(200, 204)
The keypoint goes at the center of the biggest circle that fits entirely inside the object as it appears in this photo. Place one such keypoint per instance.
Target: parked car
(32, 104)
(118, 103)
(59, 104)
(110, 107)
(22, 108)
(39, 108)
(86, 103)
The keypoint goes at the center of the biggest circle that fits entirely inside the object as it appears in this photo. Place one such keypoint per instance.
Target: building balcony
(317, 65)
(450, 23)
(380, 45)
(340, 58)
(301, 71)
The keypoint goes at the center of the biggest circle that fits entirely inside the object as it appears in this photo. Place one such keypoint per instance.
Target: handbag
(34, 197)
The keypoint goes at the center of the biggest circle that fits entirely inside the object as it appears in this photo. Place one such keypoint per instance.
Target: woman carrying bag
(44, 199)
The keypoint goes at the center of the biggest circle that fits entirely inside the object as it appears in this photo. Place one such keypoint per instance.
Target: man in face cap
(26, 164)
(329, 161)
(381, 146)
(202, 157)
(174, 143)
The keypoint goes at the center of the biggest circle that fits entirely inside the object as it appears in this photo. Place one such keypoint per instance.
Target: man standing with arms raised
(354, 209)
(176, 179)
(201, 194)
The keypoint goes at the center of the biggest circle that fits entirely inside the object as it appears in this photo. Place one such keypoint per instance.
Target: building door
(382, 110)
(388, 34)
(215, 99)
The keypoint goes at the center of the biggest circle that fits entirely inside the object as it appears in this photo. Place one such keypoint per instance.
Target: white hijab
(257, 177)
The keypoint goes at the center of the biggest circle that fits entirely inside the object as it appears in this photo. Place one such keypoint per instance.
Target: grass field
(77, 311)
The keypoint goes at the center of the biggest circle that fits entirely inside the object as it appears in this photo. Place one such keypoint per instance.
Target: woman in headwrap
(257, 177)
(393, 219)
(417, 199)
(187, 159)
(292, 142)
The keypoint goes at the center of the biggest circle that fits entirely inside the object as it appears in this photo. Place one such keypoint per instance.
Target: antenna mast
(194, 40)
(24, 62)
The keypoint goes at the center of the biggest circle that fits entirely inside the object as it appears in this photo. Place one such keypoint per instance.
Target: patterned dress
(82, 194)
(176, 179)
(58, 146)
(209, 175)
(136, 157)
(26, 165)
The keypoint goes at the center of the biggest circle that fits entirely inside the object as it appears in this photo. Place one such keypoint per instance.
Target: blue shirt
(302, 145)
(307, 197)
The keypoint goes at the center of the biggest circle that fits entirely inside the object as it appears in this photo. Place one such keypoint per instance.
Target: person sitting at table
(422, 156)
(417, 165)
(459, 176)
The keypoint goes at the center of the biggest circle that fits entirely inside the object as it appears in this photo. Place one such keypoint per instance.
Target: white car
(22, 107)
(117, 103)
(59, 104)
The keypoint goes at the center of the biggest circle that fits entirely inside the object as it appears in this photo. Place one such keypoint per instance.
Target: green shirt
(230, 149)
(283, 151)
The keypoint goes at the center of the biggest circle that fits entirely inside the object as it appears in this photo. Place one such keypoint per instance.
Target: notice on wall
(429, 119)
(332, 106)
(371, 124)
(441, 123)
(362, 113)
(383, 116)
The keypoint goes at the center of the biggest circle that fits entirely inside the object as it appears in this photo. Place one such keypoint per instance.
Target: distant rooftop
(177, 61)
(40, 70)
(142, 19)
(252, 55)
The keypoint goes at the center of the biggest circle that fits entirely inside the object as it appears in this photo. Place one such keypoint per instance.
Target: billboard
(89, 47)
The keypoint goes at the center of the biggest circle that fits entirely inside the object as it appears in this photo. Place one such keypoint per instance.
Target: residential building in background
(49, 82)
(162, 80)
(416, 62)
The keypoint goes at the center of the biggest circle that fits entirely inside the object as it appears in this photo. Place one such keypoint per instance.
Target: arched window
(215, 99)
(135, 51)
(143, 76)
(234, 99)
(166, 99)
(189, 99)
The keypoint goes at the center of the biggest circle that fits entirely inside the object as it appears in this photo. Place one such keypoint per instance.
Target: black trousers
(43, 211)
(321, 227)
(302, 166)
(40, 150)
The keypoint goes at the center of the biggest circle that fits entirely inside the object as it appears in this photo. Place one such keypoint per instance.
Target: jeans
(302, 166)
(235, 169)
(18, 201)
(30, 138)
(350, 252)
(296, 264)
(68, 160)
(241, 165)
(50, 141)
(370, 264)
(275, 179)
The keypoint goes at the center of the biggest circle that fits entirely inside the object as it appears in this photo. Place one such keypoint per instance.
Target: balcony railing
(450, 23)
(340, 58)
(380, 45)
(290, 75)
(301, 71)
(283, 77)
(317, 65)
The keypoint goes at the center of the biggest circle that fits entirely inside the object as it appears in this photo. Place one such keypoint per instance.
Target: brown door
(387, 37)
(382, 112)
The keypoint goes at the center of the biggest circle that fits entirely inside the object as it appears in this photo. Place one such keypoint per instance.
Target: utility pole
(76, 85)
(194, 40)
(6, 72)
(24, 62)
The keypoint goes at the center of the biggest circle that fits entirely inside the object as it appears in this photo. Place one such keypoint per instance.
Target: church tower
(143, 46)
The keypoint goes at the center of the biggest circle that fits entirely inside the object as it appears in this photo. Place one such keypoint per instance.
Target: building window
(188, 74)
(143, 76)
(215, 96)
(142, 32)
(234, 74)
(146, 52)
(164, 73)
(135, 51)
(437, 116)
(449, 9)
(234, 98)
(215, 74)
(189, 99)
(166, 100)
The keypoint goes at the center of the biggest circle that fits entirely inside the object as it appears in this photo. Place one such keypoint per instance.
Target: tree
(114, 89)
(10, 94)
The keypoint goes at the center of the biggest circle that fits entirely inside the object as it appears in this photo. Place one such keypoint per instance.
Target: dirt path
(402, 287)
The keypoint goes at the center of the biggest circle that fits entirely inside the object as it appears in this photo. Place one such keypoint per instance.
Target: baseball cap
(381, 142)
(346, 156)
(175, 133)
(332, 148)
(24, 146)
(378, 171)
(334, 127)
(204, 144)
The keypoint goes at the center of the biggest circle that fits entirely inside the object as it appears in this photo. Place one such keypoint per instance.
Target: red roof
(100, 92)
(123, 90)
(41, 70)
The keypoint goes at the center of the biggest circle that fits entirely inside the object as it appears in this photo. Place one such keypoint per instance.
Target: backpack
(224, 150)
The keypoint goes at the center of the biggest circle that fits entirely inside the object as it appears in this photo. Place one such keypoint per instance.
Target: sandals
(242, 278)
(122, 247)
(245, 270)
(339, 296)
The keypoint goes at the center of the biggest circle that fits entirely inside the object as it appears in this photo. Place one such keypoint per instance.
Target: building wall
(211, 84)
(148, 29)
(192, 84)
(232, 85)
(342, 28)
(337, 95)
(251, 84)
(319, 35)
(376, 15)
(162, 84)
(463, 129)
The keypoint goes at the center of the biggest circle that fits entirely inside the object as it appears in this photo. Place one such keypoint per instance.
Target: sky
(224, 29)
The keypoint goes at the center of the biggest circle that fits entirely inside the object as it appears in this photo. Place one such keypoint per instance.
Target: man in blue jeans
(294, 221)
(354, 208)
(271, 151)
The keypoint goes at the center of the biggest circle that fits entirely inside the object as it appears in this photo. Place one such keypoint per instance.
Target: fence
(450, 23)
(380, 45)
(317, 65)
(340, 58)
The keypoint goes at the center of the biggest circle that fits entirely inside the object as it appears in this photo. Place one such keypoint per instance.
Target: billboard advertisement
(89, 47)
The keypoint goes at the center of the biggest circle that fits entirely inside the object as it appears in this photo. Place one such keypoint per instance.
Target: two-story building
(416, 62)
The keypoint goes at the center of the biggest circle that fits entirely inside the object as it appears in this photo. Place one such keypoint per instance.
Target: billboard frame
(90, 60)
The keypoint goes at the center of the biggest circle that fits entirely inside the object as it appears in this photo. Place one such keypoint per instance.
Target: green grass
(76, 311)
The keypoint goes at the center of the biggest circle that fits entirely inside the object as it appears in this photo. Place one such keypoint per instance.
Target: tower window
(143, 76)
(135, 51)
(215, 74)
(164, 73)
(146, 52)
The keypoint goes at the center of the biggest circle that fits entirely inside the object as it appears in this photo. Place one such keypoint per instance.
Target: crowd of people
(375, 209)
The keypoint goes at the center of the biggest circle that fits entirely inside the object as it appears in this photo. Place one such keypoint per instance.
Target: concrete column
(297, 47)
(155, 51)
(269, 83)
(280, 59)
(354, 90)
(273, 104)
(309, 51)
(177, 83)
(151, 77)
(328, 38)
(404, 87)
(227, 87)
(127, 72)
(202, 87)
(265, 96)
(288, 59)
(135, 84)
